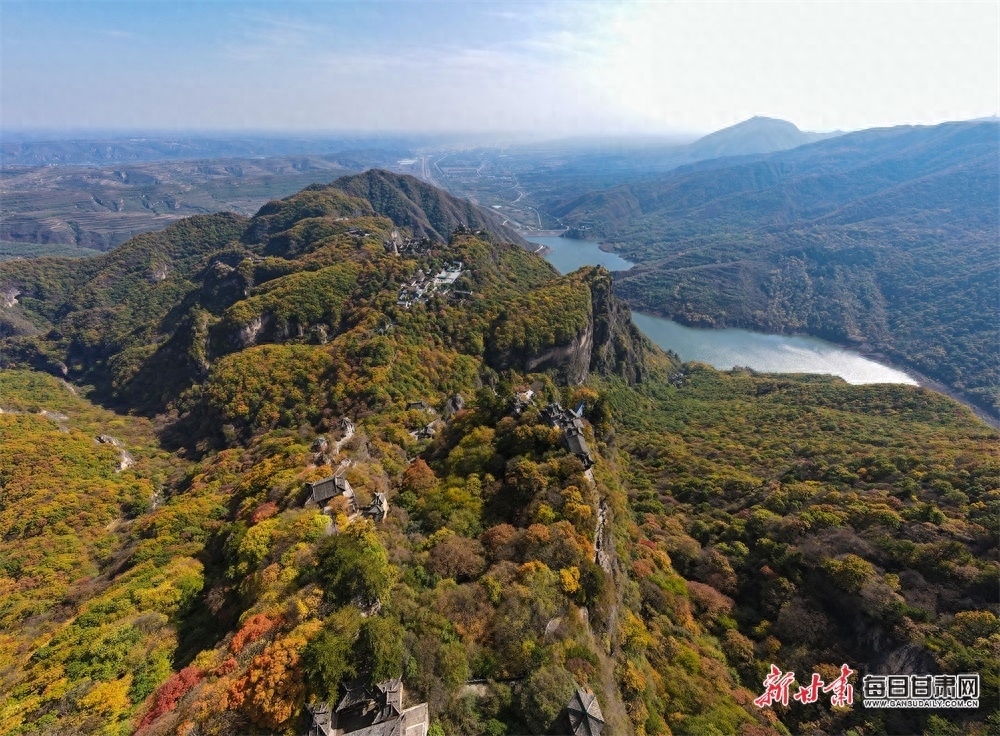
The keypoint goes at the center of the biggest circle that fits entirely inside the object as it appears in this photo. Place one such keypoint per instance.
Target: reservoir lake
(727, 348)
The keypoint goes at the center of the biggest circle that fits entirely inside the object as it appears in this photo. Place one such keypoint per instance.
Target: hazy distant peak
(759, 134)
(763, 120)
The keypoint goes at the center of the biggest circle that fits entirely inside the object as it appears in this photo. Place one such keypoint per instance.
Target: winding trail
(348, 435)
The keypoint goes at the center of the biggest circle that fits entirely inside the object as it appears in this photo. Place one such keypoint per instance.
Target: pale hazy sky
(547, 68)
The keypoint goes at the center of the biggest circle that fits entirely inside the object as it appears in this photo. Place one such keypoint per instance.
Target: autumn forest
(166, 568)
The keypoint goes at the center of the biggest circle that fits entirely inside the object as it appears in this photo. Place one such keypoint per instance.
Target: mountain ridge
(406, 200)
(553, 503)
(210, 262)
(880, 240)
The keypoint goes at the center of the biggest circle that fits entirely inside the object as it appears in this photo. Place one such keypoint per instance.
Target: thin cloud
(546, 67)
(264, 35)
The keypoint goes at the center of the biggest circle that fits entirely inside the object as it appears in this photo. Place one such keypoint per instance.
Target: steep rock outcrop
(620, 348)
(574, 326)
(12, 319)
(571, 360)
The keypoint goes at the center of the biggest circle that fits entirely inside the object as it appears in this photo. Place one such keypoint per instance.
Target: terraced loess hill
(70, 206)
(200, 591)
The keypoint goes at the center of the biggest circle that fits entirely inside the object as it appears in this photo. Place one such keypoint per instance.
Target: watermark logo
(878, 691)
(921, 691)
(777, 686)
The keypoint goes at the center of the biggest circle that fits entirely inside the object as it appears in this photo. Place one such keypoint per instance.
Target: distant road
(546, 233)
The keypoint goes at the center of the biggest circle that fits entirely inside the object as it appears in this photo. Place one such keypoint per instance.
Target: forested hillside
(166, 570)
(426, 211)
(884, 240)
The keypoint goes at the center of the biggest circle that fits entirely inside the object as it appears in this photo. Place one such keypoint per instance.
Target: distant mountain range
(553, 171)
(885, 239)
(102, 151)
(788, 185)
(95, 193)
(756, 135)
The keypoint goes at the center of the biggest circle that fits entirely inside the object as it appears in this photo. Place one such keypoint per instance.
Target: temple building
(365, 710)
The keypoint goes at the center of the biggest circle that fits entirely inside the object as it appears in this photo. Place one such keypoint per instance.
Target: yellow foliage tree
(108, 699)
(569, 579)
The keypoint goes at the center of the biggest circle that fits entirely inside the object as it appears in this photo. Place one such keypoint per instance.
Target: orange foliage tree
(272, 691)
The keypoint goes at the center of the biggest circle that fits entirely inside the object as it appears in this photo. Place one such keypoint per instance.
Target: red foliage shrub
(264, 511)
(256, 627)
(708, 600)
(175, 688)
(418, 477)
(457, 557)
(642, 569)
(272, 690)
(537, 535)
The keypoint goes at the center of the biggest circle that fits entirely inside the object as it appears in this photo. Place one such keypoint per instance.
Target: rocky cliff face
(620, 348)
(12, 319)
(571, 360)
(606, 342)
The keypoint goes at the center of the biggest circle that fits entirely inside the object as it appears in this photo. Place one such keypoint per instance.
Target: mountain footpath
(541, 503)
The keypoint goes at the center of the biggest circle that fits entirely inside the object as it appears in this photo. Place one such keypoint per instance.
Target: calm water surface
(725, 349)
(568, 255)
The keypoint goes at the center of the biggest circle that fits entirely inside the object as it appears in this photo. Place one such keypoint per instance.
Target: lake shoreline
(929, 383)
(868, 353)
(922, 380)
(568, 254)
(529, 234)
